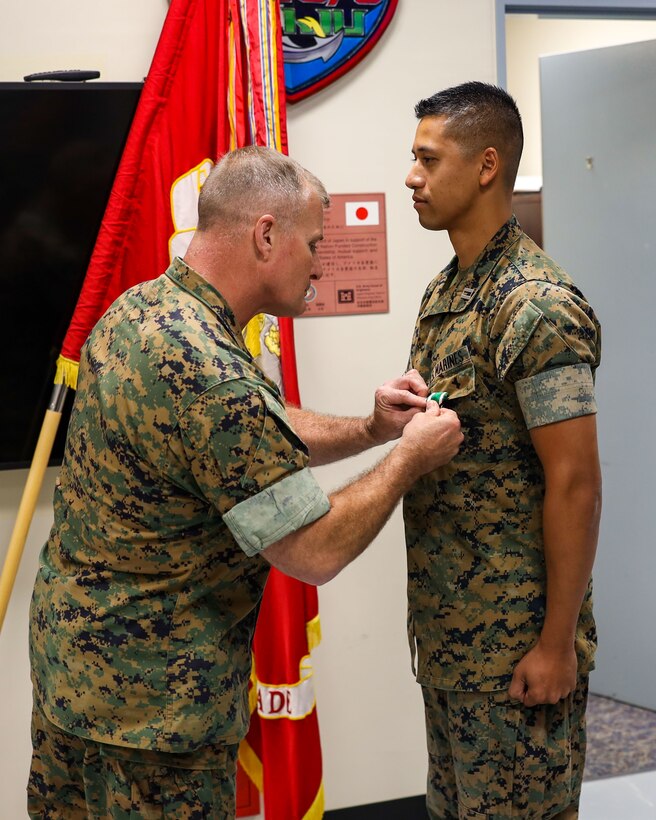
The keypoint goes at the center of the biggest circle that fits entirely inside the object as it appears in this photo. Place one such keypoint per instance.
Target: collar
(195, 284)
(454, 289)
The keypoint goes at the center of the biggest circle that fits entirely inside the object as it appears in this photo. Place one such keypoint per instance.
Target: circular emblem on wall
(323, 40)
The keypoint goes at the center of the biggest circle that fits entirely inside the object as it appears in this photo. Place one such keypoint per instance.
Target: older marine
(185, 477)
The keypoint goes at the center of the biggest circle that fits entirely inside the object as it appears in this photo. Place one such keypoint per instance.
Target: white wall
(117, 38)
(529, 37)
(356, 135)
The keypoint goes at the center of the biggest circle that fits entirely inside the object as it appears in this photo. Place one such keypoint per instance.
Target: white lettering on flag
(362, 213)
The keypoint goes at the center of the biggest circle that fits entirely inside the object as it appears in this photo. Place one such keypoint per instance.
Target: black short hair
(478, 116)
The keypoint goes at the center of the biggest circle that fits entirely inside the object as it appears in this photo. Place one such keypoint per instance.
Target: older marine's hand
(396, 403)
(431, 439)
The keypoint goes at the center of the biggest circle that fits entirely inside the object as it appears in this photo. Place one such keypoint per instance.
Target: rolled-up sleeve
(249, 463)
(548, 346)
(556, 395)
(277, 511)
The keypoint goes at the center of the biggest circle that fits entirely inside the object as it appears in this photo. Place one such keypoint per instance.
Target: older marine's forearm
(331, 438)
(317, 552)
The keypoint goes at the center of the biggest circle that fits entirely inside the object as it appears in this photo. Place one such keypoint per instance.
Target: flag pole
(30, 495)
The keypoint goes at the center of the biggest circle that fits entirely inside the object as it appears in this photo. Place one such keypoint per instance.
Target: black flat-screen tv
(60, 145)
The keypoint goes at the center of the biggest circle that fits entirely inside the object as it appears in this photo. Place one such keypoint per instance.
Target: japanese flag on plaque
(361, 213)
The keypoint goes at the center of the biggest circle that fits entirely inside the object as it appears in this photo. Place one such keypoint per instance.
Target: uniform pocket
(454, 374)
(485, 728)
(504, 724)
(559, 718)
(458, 385)
(543, 770)
(412, 643)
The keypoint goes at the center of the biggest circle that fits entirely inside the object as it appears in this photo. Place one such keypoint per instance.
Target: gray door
(599, 161)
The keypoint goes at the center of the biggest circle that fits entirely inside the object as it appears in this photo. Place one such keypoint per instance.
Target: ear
(263, 235)
(490, 167)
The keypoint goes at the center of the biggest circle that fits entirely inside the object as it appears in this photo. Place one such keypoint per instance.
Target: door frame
(604, 9)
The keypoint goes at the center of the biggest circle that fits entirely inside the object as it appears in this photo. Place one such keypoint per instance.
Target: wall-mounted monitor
(60, 145)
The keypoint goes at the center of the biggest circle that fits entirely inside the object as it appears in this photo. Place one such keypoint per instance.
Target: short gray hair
(251, 181)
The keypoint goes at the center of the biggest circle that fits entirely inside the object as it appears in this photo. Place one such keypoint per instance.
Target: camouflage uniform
(180, 467)
(73, 778)
(509, 761)
(514, 344)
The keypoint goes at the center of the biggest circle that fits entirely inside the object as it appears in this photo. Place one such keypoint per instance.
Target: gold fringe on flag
(66, 373)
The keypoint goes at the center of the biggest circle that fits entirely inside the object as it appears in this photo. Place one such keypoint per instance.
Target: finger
(518, 685)
(454, 421)
(451, 413)
(404, 398)
(517, 688)
(530, 699)
(408, 413)
(433, 408)
(414, 381)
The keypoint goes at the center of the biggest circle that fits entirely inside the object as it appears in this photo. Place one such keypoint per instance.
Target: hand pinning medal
(440, 397)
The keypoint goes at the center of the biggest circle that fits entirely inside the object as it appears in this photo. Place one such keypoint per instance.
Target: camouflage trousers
(73, 778)
(490, 757)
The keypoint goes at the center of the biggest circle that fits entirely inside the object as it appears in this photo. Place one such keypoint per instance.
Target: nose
(414, 179)
(317, 267)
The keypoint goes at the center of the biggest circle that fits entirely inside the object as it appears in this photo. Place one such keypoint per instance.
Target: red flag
(181, 120)
(216, 82)
(282, 751)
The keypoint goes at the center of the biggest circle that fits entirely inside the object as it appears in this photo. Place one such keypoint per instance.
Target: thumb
(518, 687)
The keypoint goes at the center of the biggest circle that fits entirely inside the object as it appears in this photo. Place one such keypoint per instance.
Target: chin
(291, 312)
(431, 225)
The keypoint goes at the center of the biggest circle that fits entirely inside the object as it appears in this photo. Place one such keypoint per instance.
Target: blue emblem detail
(323, 39)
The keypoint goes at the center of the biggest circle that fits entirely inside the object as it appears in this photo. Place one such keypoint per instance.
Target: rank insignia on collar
(467, 293)
(323, 39)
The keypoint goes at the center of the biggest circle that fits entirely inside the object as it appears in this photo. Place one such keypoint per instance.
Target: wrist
(370, 431)
(560, 643)
(405, 460)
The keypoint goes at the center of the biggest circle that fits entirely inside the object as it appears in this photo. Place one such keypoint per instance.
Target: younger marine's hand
(544, 676)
